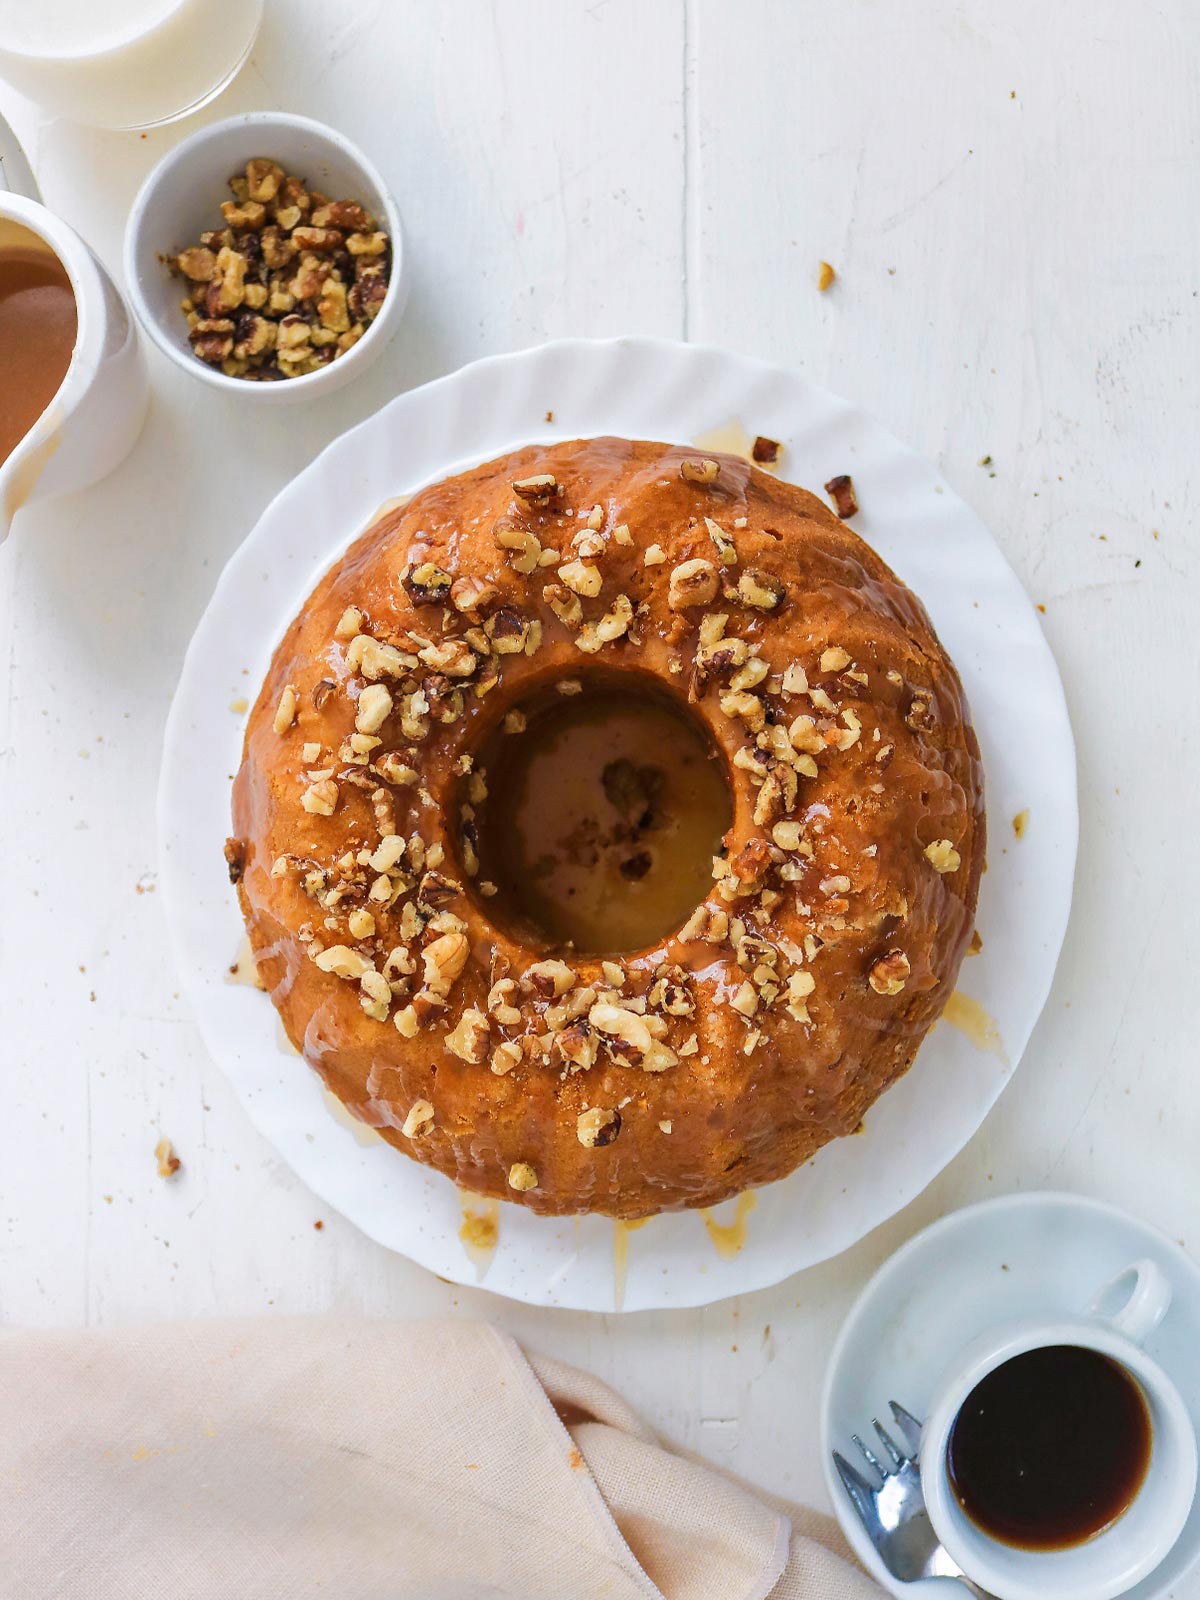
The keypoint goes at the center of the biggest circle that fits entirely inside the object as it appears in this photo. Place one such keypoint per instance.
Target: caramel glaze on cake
(802, 985)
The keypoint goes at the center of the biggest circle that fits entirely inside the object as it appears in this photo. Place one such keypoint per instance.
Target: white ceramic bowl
(181, 199)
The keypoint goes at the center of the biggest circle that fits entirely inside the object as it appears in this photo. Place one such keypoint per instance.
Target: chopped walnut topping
(692, 583)
(623, 1026)
(285, 712)
(444, 960)
(472, 596)
(786, 835)
(393, 768)
(419, 1120)
(706, 923)
(760, 589)
(702, 470)
(406, 1022)
(795, 679)
(540, 490)
(597, 1127)
(612, 625)
(725, 547)
(745, 1000)
(320, 798)
(469, 1040)
(505, 1057)
(834, 659)
(747, 707)
(566, 607)
(765, 451)
(799, 986)
(168, 1162)
(577, 1045)
(374, 660)
(890, 973)
(841, 492)
(524, 548)
(621, 534)
(343, 962)
(376, 995)
(943, 856)
(551, 978)
(654, 556)
(522, 1177)
(390, 850)
(374, 708)
(427, 584)
(582, 577)
(361, 923)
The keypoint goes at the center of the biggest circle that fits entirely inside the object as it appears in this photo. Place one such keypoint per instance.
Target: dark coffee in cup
(1050, 1448)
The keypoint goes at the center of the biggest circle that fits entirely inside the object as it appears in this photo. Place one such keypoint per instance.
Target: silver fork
(894, 1515)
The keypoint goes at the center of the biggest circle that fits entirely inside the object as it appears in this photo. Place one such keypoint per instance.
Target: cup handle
(16, 175)
(1135, 1301)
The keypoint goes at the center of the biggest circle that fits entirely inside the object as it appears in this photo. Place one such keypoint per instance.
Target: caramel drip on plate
(243, 969)
(731, 439)
(621, 1232)
(729, 1237)
(363, 1133)
(979, 1026)
(480, 1231)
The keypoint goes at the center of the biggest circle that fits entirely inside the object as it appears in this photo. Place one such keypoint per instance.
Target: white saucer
(988, 1264)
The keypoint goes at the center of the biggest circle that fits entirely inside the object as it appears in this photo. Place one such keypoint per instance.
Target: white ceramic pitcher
(96, 415)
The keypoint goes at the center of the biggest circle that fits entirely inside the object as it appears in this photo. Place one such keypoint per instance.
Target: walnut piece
(522, 1177)
(841, 492)
(692, 583)
(699, 470)
(943, 856)
(168, 1162)
(597, 1127)
(890, 973)
(419, 1119)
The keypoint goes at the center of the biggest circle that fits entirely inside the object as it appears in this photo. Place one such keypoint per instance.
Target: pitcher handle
(16, 175)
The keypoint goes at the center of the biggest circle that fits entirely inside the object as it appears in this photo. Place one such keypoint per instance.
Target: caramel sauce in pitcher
(38, 325)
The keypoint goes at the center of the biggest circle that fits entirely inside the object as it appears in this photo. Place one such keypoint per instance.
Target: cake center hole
(602, 816)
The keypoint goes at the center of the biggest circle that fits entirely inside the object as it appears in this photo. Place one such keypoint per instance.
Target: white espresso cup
(95, 416)
(1119, 1318)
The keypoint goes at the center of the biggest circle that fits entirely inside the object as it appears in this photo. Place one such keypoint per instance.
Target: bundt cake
(609, 827)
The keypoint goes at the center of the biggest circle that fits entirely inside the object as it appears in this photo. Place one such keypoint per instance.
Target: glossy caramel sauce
(602, 818)
(1050, 1448)
(480, 1230)
(244, 968)
(729, 1237)
(37, 335)
(979, 1026)
(732, 439)
(363, 1133)
(621, 1232)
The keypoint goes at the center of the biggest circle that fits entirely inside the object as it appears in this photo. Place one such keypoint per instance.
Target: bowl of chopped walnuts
(264, 254)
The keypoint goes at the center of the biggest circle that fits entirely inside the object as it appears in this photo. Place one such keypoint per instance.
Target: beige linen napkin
(283, 1460)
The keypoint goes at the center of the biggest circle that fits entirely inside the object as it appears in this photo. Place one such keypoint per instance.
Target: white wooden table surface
(1009, 192)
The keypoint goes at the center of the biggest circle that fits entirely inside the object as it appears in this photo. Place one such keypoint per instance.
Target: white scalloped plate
(643, 389)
